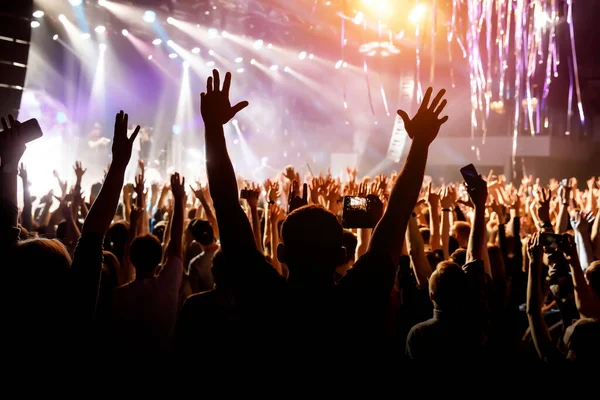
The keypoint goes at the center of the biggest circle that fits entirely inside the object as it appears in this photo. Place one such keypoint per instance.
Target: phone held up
(470, 175)
(30, 130)
(361, 212)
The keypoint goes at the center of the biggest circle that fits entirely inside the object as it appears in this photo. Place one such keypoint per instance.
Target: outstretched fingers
(216, 80)
(227, 83)
(437, 99)
(425, 102)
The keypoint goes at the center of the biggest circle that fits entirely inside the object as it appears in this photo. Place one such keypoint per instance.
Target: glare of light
(125, 32)
(345, 64)
(225, 34)
(417, 14)
(302, 55)
(186, 64)
(339, 64)
(149, 16)
(258, 44)
(85, 35)
(270, 46)
(252, 62)
(210, 63)
(211, 52)
(235, 141)
(196, 50)
(75, 3)
(38, 14)
(311, 56)
(170, 43)
(170, 20)
(35, 24)
(239, 60)
(379, 6)
(287, 69)
(213, 33)
(240, 70)
(176, 129)
(173, 55)
(102, 46)
(61, 117)
(55, 37)
(274, 67)
(156, 42)
(100, 29)
(102, 3)
(62, 18)
(358, 18)
(150, 57)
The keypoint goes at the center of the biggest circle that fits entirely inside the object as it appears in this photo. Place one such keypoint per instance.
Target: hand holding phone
(476, 186)
(361, 212)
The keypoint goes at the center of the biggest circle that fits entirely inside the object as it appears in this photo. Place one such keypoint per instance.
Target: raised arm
(581, 225)
(26, 216)
(416, 250)
(252, 196)
(174, 248)
(234, 228)
(423, 128)
(203, 194)
(587, 305)
(477, 247)
(447, 202)
(433, 201)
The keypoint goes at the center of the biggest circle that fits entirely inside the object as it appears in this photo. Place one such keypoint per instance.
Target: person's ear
(281, 253)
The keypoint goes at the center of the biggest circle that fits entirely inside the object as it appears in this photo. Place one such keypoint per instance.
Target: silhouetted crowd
(471, 273)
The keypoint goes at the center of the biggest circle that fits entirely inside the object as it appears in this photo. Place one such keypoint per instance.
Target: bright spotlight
(339, 64)
(379, 6)
(287, 69)
(38, 14)
(75, 3)
(239, 60)
(170, 43)
(176, 129)
(274, 67)
(240, 70)
(270, 46)
(100, 29)
(210, 64)
(125, 32)
(173, 55)
(149, 16)
(156, 42)
(102, 46)
(417, 14)
(302, 55)
(55, 37)
(186, 64)
(311, 56)
(85, 35)
(62, 18)
(196, 50)
(35, 24)
(213, 33)
(150, 57)
(211, 52)
(252, 62)
(258, 44)
(102, 3)
(225, 34)
(170, 20)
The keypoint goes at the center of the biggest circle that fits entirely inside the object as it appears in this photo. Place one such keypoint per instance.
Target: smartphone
(470, 175)
(31, 130)
(358, 213)
(551, 241)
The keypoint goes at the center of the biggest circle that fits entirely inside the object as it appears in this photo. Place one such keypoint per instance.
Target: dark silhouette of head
(159, 230)
(448, 286)
(582, 341)
(145, 255)
(592, 276)
(425, 234)
(459, 256)
(312, 244)
(43, 264)
(223, 277)
(350, 242)
(202, 232)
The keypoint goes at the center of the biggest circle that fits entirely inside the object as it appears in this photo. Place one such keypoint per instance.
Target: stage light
(186, 64)
(225, 34)
(170, 20)
(61, 117)
(55, 37)
(196, 50)
(252, 62)
(239, 60)
(35, 24)
(345, 64)
(75, 3)
(38, 14)
(213, 33)
(379, 6)
(173, 55)
(85, 35)
(102, 3)
(210, 63)
(358, 18)
(176, 129)
(417, 14)
(270, 46)
(287, 69)
(102, 46)
(211, 53)
(338, 64)
(125, 32)
(302, 55)
(156, 42)
(258, 44)
(62, 18)
(170, 43)
(311, 56)
(100, 29)
(274, 67)
(240, 70)
(149, 16)
(150, 57)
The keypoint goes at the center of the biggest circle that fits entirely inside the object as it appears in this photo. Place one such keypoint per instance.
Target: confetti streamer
(575, 71)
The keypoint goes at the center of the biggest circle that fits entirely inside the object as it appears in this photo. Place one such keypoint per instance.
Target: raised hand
(543, 209)
(79, 171)
(178, 187)
(500, 211)
(478, 192)
(215, 106)
(534, 249)
(252, 196)
(433, 197)
(276, 214)
(448, 197)
(12, 145)
(295, 201)
(122, 145)
(425, 125)
(581, 221)
(23, 174)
